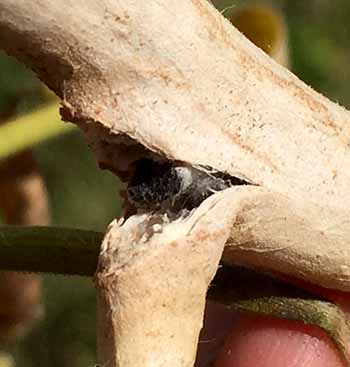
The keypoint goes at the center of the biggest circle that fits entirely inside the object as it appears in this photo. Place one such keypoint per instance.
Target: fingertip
(265, 342)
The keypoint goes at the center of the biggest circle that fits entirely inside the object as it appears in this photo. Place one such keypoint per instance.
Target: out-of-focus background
(82, 196)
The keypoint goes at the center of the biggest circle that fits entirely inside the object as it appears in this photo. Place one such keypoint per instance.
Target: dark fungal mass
(152, 184)
(168, 186)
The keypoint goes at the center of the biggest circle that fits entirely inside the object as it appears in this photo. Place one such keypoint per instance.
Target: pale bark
(154, 277)
(180, 81)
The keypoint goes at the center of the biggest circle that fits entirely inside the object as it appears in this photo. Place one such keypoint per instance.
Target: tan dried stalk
(179, 81)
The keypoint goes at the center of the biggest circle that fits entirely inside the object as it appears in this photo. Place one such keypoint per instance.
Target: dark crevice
(174, 186)
(155, 183)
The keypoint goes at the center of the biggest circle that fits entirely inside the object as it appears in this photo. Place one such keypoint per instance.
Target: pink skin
(244, 340)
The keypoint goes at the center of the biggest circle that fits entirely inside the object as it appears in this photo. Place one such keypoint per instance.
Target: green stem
(25, 131)
(48, 249)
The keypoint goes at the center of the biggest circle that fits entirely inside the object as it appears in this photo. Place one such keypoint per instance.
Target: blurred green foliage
(83, 196)
(19, 90)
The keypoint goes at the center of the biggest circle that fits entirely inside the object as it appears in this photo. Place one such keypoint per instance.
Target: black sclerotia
(165, 185)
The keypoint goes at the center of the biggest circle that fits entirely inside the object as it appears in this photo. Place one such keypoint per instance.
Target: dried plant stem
(187, 86)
